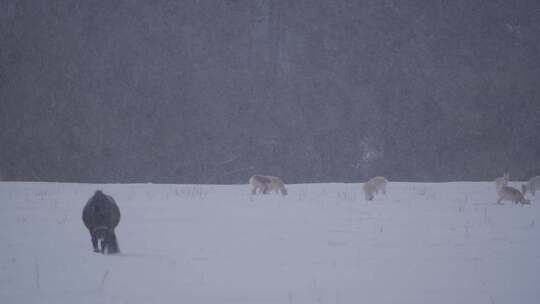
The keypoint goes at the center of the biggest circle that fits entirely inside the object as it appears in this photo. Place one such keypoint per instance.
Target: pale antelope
(511, 194)
(373, 186)
(265, 184)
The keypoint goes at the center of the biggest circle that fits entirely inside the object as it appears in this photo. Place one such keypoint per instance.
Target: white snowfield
(323, 243)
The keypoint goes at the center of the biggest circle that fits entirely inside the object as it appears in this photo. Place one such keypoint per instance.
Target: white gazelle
(264, 184)
(373, 186)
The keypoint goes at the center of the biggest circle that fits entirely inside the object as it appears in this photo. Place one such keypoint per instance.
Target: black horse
(101, 215)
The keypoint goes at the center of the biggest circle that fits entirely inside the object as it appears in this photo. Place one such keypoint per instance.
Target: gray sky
(215, 91)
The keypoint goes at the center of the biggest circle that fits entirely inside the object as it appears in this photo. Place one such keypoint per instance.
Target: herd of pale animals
(265, 184)
(512, 194)
(101, 214)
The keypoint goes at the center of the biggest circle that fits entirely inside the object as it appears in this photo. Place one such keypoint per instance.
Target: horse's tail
(112, 243)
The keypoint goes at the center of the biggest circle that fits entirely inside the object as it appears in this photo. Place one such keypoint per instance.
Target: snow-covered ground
(323, 243)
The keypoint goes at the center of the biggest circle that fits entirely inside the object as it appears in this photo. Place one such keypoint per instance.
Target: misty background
(312, 91)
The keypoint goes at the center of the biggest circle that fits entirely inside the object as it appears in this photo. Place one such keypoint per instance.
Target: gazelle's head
(502, 181)
(283, 191)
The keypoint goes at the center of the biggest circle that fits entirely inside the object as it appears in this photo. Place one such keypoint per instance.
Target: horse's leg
(103, 243)
(94, 241)
(112, 243)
